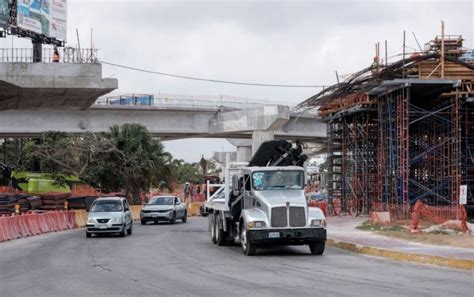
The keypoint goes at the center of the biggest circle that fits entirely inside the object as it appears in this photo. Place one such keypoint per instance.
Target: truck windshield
(278, 180)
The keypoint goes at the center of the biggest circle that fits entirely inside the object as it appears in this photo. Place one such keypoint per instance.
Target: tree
(185, 172)
(137, 162)
(127, 158)
(62, 153)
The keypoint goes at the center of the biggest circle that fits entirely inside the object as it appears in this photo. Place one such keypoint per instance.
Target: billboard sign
(46, 17)
(58, 24)
(4, 14)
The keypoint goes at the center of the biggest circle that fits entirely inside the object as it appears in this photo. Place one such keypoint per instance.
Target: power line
(211, 80)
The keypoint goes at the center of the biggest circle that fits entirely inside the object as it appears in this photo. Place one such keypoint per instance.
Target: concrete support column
(259, 136)
(244, 148)
(37, 51)
(244, 153)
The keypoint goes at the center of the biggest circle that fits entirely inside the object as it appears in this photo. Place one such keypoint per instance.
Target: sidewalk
(342, 233)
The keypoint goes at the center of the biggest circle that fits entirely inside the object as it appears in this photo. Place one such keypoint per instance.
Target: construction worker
(56, 55)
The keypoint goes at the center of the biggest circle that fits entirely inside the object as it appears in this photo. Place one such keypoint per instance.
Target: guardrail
(66, 55)
(183, 101)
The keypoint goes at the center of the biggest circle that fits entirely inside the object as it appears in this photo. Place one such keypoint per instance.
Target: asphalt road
(180, 260)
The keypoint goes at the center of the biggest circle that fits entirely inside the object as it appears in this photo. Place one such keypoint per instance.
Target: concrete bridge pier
(244, 148)
(259, 137)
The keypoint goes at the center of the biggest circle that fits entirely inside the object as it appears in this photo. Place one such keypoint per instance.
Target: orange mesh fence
(439, 215)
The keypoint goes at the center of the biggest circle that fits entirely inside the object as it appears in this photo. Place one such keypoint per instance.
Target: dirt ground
(445, 238)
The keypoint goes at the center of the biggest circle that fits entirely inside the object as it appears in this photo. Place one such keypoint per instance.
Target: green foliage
(127, 158)
(185, 172)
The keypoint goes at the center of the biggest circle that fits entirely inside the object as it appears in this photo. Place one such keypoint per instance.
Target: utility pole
(442, 49)
(37, 50)
(403, 60)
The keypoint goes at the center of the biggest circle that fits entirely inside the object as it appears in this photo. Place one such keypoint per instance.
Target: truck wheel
(88, 235)
(143, 222)
(220, 234)
(130, 230)
(248, 248)
(317, 248)
(213, 228)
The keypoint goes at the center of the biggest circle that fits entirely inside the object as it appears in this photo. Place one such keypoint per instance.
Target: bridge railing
(182, 101)
(66, 55)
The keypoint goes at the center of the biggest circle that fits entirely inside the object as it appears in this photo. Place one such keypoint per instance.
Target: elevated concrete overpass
(65, 86)
(167, 123)
(40, 97)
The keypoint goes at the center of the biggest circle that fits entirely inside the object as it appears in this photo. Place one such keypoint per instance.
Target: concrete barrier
(193, 208)
(25, 225)
(80, 218)
(135, 209)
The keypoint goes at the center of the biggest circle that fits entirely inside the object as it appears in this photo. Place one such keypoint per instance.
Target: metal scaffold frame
(419, 152)
(467, 145)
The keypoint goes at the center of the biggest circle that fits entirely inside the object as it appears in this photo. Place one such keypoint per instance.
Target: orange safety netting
(438, 215)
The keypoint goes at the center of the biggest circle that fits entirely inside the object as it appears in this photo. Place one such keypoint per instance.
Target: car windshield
(278, 180)
(161, 201)
(107, 206)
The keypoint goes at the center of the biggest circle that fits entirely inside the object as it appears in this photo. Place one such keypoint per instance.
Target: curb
(402, 256)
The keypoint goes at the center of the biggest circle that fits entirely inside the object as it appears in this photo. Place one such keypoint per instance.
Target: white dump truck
(263, 202)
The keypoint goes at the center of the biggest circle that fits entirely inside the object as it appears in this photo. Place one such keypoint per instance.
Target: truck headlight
(116, 220)
(90, 221)
(318, 223)
(256, 224)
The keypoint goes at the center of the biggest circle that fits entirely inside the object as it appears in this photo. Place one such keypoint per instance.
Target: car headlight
(90, 221)
(116, 220)
(318, 223)
(256, 224)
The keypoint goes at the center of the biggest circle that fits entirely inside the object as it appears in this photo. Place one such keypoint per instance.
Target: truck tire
(221, 236)
(212, 220)
(317, 248)
(248, 248)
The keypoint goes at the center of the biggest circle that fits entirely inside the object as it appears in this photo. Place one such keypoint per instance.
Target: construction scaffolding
(402, 133)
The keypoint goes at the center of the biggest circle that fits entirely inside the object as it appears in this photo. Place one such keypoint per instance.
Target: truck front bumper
(293, 236)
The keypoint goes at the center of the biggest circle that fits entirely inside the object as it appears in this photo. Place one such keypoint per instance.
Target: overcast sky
(284, 42)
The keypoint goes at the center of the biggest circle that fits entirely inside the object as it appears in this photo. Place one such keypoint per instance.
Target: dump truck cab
(275, 211)
(263, 202)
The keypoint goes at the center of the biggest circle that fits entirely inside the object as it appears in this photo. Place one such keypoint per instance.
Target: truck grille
(297, 216)
(102, 220)
(279, 217)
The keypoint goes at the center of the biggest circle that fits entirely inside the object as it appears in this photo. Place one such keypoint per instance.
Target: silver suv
(164, 208)
(109, 215)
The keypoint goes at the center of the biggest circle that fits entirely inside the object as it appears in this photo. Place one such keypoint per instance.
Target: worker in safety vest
(56, 55)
